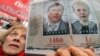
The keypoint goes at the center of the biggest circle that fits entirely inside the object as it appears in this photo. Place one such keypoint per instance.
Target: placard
(62, 23)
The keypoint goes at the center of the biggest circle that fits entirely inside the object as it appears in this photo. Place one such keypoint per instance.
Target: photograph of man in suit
(55, 24)
(83, 25)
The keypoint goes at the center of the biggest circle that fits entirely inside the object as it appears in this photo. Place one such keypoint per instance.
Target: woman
(83, 25)
(13, 41)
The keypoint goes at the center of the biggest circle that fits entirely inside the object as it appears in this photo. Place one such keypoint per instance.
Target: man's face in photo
(55, 14)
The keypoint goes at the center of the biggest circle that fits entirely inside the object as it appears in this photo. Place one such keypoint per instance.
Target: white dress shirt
(53, 27)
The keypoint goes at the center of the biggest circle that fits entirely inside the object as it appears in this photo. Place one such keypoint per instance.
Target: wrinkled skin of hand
(74, 51)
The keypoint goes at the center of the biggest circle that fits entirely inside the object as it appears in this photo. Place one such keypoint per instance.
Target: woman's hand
(74, 51)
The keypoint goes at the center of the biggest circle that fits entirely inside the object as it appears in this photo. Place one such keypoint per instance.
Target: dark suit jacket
(62, 29)
(77, 26)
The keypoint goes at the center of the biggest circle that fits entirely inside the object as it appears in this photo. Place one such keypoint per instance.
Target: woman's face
(15, 42)
(82, 12)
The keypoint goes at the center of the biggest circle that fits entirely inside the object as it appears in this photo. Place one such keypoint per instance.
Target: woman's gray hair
(78, 3)
(5, 34)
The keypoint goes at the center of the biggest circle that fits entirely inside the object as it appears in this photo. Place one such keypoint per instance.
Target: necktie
(53, 27)
(85, 30)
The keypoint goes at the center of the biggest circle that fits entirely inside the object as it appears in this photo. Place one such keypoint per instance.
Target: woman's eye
(84, 10)
(24, 37)
(13, 34)
(78, 9)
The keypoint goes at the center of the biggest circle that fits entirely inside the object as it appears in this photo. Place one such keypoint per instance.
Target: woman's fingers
(74, 51)
(89, 52)
(63, 52)
(77, 51)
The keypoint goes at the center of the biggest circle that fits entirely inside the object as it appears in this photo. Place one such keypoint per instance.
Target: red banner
(18, 8)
